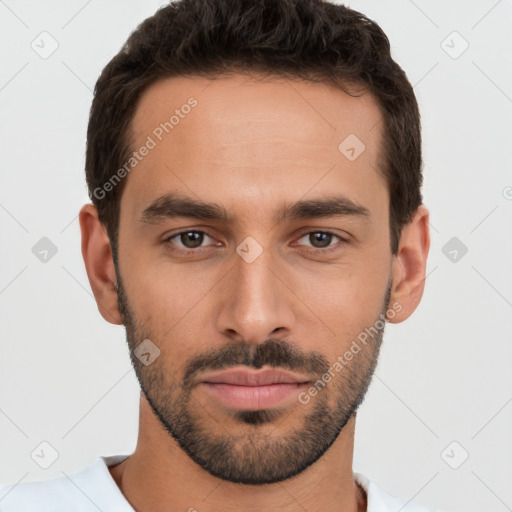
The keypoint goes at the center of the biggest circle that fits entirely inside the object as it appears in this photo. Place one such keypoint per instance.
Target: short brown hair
(300, 39)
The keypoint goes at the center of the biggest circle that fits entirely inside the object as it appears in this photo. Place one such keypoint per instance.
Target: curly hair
(311, 40)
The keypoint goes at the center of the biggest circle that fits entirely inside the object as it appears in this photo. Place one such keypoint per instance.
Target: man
(255, 174)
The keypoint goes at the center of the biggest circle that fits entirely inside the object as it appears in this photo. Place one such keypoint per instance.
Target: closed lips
(259, 378)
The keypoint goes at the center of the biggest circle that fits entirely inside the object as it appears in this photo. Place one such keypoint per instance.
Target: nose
(255, 302)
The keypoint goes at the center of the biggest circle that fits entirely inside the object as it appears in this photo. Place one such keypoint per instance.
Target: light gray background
(444, 375)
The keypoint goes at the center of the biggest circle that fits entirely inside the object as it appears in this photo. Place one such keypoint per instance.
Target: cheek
(172, 303)
(348, 298)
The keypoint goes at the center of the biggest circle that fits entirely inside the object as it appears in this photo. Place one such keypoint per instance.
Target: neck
(160, 476)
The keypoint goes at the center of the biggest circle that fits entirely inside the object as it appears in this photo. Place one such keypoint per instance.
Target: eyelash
(186, 251)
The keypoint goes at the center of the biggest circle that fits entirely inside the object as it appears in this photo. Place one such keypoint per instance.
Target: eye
(321, 240)
(188, 240)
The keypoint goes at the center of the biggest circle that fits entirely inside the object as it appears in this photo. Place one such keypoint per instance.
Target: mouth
(244, 389)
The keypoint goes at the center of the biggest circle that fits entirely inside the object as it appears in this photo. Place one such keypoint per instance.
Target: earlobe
(97, 254)
(409, 266)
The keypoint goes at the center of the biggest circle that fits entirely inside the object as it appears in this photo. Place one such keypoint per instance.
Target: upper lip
(244, 377)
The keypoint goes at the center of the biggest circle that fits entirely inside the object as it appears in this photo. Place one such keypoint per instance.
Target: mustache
(273, 352)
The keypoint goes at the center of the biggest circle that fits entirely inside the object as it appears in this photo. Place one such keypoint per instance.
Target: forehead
(246, 139)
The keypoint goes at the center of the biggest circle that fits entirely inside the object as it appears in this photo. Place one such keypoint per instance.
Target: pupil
(193, 237)
(323, 238)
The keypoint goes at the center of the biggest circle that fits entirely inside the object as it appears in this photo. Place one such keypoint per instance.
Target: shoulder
(42, 495)
(86, 490)
(380, 500)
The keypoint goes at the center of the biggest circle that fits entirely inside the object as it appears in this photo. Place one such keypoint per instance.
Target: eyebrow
(172, 205)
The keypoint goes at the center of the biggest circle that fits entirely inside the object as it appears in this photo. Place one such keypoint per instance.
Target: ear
(409, 266)
(99, 263)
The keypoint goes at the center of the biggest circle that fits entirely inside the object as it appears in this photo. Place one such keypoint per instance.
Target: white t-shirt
(93, 489)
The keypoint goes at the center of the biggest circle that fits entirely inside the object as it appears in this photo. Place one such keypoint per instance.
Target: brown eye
(191, 239)
(187, 240)
(320, 239)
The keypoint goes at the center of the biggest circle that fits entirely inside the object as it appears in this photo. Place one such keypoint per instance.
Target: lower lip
(253, 398)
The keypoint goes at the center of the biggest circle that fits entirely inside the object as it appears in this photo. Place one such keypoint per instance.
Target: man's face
(260, 289)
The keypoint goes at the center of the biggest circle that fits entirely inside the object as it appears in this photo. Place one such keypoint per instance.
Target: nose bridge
(255, 302)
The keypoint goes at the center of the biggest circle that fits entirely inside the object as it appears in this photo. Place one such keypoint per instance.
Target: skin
(251, 146)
